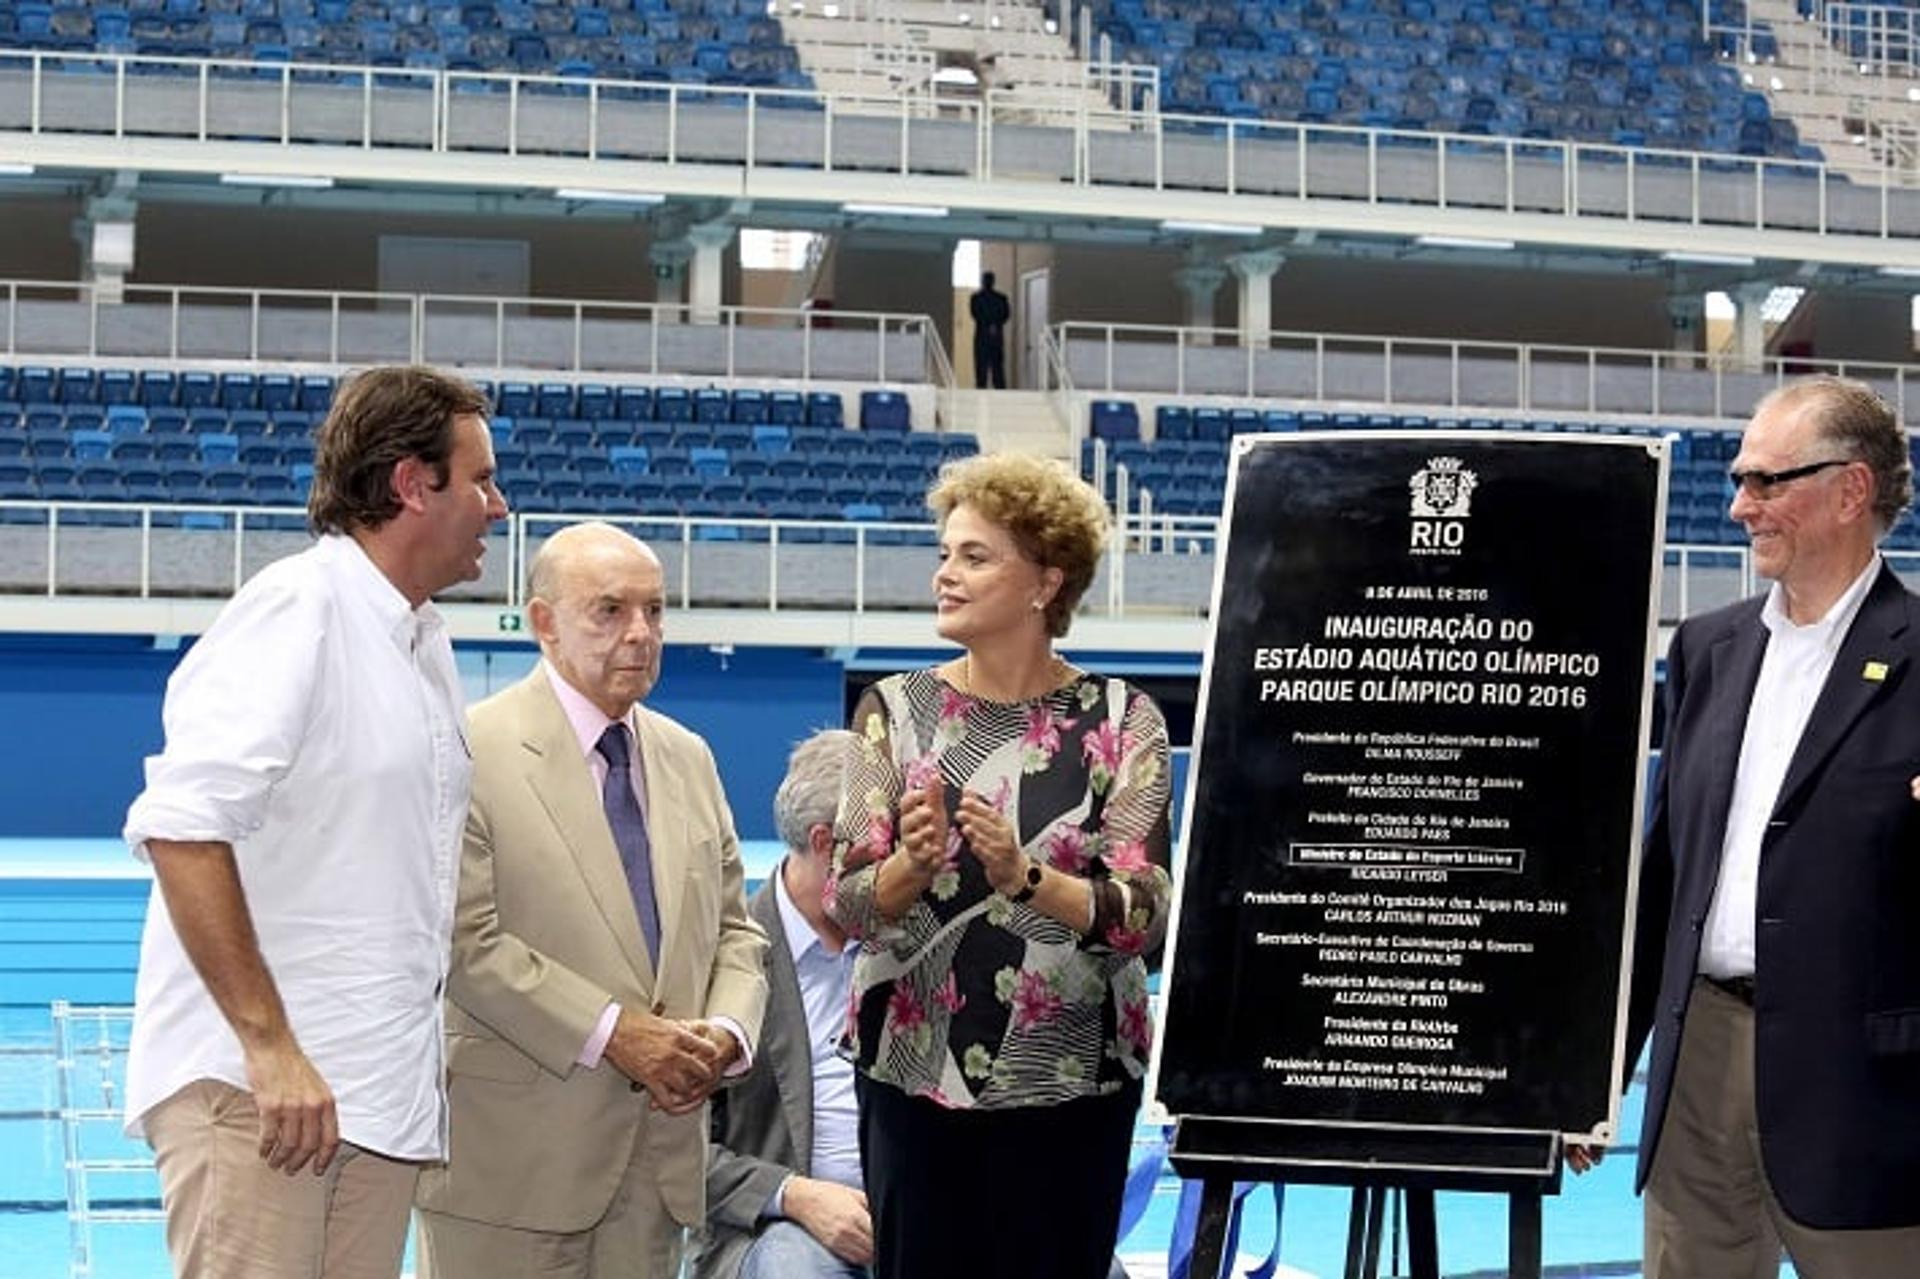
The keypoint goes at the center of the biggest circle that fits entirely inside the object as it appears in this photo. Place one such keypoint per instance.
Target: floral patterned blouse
(970, 999)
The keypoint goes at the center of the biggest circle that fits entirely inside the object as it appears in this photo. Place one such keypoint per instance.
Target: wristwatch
(1028, 889)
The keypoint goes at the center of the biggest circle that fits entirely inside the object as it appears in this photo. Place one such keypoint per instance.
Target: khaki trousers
(1710, 1211)
(636, 1239)
(229, 1216)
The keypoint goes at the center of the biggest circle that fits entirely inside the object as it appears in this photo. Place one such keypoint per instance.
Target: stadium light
(1902, 272)
(1707, 259)
(14, 169)
(646, 199)
(1462, 242)
(895, 210)
(1211, 228)
(311, 181)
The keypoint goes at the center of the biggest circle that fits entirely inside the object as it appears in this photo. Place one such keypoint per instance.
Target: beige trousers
(1710, 1211)
(636, 1239)
(229, 1216)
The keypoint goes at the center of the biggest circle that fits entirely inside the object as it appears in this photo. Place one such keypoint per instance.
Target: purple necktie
(630, 833)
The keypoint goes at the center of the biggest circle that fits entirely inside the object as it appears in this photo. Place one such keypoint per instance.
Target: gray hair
(1852, 415)
(810, 792)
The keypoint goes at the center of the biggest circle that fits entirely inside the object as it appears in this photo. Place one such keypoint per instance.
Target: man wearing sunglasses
(1778, 957)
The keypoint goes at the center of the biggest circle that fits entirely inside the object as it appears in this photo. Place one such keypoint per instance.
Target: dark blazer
(763, 1125)
(1837, 947)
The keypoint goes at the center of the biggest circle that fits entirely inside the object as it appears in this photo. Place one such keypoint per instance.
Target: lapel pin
(1874, 672)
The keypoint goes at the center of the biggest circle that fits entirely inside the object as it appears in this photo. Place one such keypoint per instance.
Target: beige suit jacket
(545, 935)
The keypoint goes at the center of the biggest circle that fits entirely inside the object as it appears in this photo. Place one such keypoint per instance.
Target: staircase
(1864, 123)
(1011, 421)
(937, 57)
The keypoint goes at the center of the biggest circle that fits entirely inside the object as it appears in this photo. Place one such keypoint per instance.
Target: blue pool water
(70, 917)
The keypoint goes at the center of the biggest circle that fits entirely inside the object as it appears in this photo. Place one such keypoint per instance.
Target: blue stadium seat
(634, 404)
(824, 408)
(77, 386)
(532, 432)
(278, 392)
(238, 391)
(629, 459)
(885, 411)
(157, 387)
(1115, 420)
(35, 385)
(116, 386)
(672, 404)
(207, 421)
(554, 400)
(198, 391)
(786, 408)
(516, 399)
(711, 404)
(749, 406)
(316, 393)
(85, 445)
(594, 402)
(573, 434)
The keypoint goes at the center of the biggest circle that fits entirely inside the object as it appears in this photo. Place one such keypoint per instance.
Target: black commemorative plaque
(1415, 803)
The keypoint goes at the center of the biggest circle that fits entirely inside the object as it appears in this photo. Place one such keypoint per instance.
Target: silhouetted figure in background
(990, 314)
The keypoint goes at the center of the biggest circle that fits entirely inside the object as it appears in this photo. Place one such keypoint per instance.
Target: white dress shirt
(317, 728)
(826, 983)
(1792, 673)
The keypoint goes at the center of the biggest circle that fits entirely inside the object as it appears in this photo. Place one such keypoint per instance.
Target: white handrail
(1117, 347)
(1130, 593)
(462, 115)
(362, 327)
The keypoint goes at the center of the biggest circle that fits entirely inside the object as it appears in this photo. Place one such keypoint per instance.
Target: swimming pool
(70, 917)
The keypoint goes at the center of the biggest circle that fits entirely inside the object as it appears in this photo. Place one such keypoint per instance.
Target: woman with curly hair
(1001, 856)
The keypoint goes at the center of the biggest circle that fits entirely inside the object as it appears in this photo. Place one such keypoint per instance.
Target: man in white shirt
(784, 1192)
(606, 976)
(1777, 964)
(303, 823)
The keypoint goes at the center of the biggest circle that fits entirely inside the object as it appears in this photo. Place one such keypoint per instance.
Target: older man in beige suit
(606, 976)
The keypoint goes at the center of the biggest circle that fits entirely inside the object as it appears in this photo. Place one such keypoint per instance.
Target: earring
(1038, 605)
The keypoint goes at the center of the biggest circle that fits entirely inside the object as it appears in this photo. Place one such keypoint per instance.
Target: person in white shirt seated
(303, 821)
(784, 1197)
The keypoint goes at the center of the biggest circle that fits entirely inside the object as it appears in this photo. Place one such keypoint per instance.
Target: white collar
(1833, 624)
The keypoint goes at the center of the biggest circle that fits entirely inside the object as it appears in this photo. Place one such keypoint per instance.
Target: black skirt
(1027, 1192)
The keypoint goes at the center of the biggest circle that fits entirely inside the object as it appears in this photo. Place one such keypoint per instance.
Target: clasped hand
(924, 832)
(679, 1062)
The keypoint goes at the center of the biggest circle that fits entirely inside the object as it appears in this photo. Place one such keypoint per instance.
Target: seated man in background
(784, 1198)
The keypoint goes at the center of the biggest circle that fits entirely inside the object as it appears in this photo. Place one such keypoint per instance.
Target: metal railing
(90, 1049)
(287, 106)
(178, 323)
(1878, 39)
(1157, 566)
(1441, 374)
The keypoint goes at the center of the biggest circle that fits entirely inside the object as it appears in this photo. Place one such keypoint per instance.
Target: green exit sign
(509, 622)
